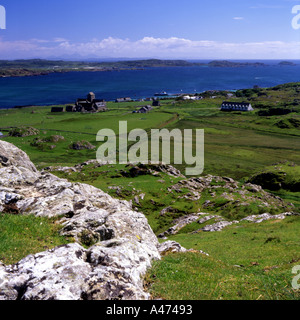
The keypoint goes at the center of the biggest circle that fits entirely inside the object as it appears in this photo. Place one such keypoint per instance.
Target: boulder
(170, 247)
(113, 244)
(110, 270)
(13, 156)
(179, 224)
(218, 226)
(150, 169)
(82, 145)
(24, 132)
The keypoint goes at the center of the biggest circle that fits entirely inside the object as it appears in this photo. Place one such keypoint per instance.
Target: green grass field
(245, 262)
(73, 127)
(24, 235)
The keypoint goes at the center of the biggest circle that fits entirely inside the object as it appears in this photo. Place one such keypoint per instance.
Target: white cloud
(59, 40)
(172, 47)
(238, 18)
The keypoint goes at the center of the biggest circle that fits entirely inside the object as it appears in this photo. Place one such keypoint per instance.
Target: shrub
(23, 132)
(81, 145)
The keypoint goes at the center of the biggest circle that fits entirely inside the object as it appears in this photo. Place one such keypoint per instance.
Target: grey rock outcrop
(218, 226)
(236, 193)
(266, 216)
(219, 222)
(170, 247)
(134, 170)
(179, 224)
(114, 245)
(13, 156)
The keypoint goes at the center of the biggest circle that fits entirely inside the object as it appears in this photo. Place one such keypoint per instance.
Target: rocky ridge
(219, 222)
(114, 245)
(232, 191)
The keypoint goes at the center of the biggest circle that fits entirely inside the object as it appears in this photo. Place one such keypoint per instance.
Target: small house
(156, 103)
(145, 109)
(127, 99)
(236, 106)
(100, 105)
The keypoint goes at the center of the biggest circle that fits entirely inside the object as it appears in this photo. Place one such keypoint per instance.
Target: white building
(236, 106)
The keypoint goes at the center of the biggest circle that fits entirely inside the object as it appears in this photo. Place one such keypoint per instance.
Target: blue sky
(190, 29)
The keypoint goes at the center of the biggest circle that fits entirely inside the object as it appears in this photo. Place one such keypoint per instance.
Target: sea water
(64, 88)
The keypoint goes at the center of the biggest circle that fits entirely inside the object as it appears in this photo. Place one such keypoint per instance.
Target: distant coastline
(39, 67)
(142, 83)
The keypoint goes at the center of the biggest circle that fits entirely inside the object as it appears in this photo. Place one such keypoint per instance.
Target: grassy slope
(239, 145)
(236, 145)
(74, 127)
(247, 262)
(24, 235)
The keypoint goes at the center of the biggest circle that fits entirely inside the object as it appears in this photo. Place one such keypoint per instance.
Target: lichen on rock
(114, 245)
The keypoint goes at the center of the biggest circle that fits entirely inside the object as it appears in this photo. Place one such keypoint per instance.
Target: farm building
(145, 109)
(123, 99)
(236, 106)
(90, 104)
(156, 103)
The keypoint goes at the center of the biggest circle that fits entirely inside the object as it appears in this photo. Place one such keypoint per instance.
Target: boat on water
(161, 94)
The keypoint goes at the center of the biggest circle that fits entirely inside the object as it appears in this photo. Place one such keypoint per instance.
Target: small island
(37, 67)
(232, 64)
(287, 63)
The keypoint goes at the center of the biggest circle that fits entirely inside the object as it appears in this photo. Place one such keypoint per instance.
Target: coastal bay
(144, 82)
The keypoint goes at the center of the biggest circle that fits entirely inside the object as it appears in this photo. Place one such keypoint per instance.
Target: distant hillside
(15, 68)
(226, 64)
(40, 63)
